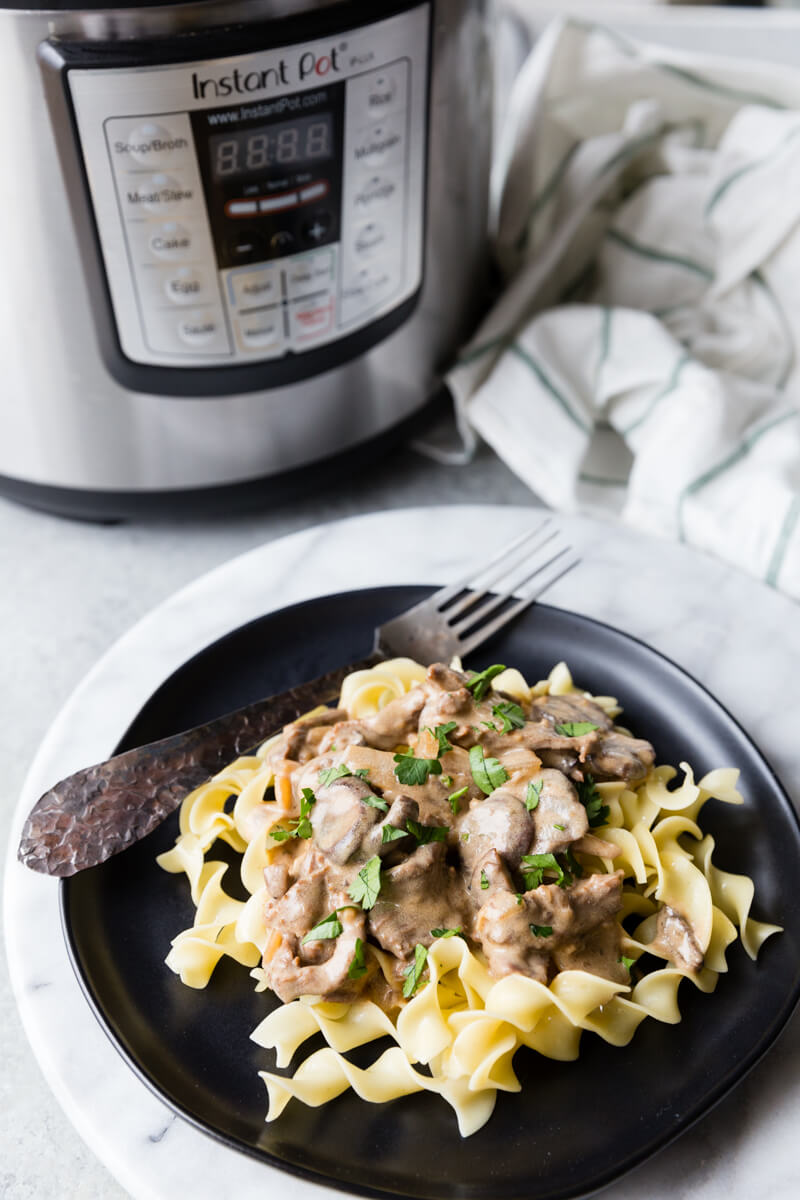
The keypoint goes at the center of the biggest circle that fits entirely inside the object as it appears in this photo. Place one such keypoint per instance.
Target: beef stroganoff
(464, 864)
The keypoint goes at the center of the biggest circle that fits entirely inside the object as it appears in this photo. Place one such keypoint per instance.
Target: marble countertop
(77, 587)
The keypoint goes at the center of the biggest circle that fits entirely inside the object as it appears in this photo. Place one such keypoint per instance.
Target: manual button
(262, 331)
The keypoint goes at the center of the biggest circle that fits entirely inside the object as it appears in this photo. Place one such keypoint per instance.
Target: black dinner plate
(575, 1126)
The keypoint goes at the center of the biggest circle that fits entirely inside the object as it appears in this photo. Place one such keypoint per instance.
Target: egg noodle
(463, 1025)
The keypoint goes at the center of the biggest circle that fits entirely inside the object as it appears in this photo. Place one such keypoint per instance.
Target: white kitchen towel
(643, 359)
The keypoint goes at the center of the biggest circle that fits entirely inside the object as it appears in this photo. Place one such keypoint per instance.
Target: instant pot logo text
(246, 82)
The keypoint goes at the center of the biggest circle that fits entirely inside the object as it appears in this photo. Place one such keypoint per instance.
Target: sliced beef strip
(558, 806)
(500, 822)
(618, 756)
(675, 939)
(489, 875)
(301, 738)
(503, 931)
(503, 924)
(341, 820)
(391, 726)
(572, 708)
(290, 973)
(402, 810)
(421, 894)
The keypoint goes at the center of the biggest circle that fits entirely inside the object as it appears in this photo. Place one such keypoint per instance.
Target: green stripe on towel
(735, 456)
(548, 385)
(656, 255)
(784, 537)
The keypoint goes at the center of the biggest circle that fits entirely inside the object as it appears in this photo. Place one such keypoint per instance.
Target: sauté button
(198, 328)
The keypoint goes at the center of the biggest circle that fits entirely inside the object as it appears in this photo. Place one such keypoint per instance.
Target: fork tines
(507, 584)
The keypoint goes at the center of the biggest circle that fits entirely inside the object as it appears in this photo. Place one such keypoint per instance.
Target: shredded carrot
(272, 946)
(283, 791)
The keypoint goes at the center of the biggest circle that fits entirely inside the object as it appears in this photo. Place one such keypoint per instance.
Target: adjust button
(251, 289)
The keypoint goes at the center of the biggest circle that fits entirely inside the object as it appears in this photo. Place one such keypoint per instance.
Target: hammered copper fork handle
(103, 809)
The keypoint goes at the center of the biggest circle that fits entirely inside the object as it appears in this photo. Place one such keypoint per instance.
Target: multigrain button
(199, 328)
(185, 286)
(379, 145)
(170, 241)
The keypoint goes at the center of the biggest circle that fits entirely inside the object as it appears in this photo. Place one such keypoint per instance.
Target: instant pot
(240, 240)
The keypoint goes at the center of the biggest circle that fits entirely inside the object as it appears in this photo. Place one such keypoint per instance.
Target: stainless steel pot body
(66, 422)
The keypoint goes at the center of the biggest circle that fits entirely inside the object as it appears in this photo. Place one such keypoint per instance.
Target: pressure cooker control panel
(262, 205)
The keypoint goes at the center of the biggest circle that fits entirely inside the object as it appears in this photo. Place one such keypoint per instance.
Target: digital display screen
(288, 144)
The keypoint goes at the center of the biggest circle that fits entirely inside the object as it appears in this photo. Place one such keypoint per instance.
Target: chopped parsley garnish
(510, 714)
(362, 773)
(357, 967)
(518, 898)
(445, 933)
(447, 780)
(413, 971)
(561, 827)
(426, 833)
(484, 881)
(366, 886)
(488, 773)
(576, 728)
(571, 863)
(440, 733)
(390, 833)
(375, 802)
(480, 682)
(413, 772)
(537, 864)
(465, 837)
(331, 927)
(592, 801)
(328, 774)
(454, 798)
(541, 930)
(627, 962)
(533, 794)
(302, 824)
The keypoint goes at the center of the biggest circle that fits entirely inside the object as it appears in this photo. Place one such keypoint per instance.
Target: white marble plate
(692, 609)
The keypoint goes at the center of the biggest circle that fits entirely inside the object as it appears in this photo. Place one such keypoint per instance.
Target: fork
(105, 808)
